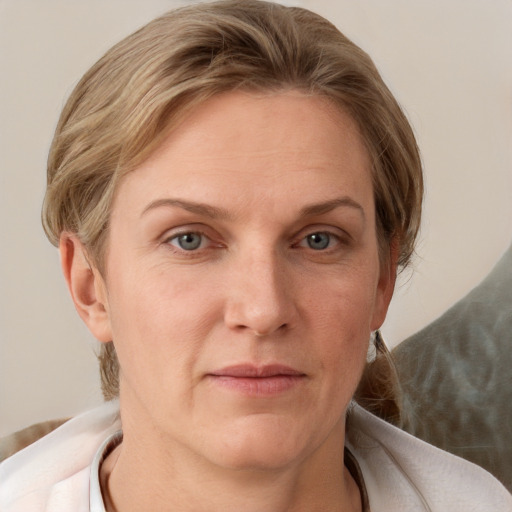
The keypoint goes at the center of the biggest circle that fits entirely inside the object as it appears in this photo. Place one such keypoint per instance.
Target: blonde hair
(140, 89)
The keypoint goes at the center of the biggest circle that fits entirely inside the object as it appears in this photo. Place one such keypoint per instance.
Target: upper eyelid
(212, 233)
(338, 232)
(337, 237)
(185, 229)
(211, 238)
(169, 236)
(204, 240)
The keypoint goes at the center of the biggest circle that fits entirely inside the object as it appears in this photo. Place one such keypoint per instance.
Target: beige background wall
(448, 61)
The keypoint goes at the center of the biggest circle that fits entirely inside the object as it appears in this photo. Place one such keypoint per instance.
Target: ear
(385, 286)
(86, 285)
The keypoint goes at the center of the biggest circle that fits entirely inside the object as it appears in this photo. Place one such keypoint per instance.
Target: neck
(138, 476)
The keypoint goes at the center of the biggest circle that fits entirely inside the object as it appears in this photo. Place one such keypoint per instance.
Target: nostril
(258, 313)
(261, 334)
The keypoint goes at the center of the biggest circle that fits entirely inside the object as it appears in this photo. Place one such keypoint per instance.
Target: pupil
(190, 241)
(318, 241)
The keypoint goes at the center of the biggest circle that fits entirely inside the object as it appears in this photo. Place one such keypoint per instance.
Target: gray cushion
(456, 375)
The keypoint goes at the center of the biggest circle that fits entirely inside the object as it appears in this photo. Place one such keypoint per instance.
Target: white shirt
(401, 473)
(96, 503)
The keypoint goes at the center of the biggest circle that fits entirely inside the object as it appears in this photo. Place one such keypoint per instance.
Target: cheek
(344, 305)
(153, 299)
(345, 345)
(342, 316)
(159, 324)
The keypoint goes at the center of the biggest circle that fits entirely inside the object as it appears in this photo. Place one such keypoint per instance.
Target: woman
(233, 189)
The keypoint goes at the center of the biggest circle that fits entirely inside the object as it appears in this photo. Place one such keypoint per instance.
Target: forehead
(256, 144)
(240, 121)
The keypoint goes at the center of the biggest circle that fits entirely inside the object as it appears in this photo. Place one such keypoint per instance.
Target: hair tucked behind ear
(109, 371)
(379, 390)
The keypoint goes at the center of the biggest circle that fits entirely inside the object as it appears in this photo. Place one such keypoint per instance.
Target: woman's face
(243, 280)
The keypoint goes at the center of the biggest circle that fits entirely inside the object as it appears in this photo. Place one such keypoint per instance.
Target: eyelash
(182, 234)
(332, 237)
(302, 243)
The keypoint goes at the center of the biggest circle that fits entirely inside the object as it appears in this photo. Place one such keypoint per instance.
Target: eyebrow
(332, 204)
(215, 212)
(202, 209)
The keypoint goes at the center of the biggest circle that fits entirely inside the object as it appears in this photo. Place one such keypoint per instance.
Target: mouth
(254, 380)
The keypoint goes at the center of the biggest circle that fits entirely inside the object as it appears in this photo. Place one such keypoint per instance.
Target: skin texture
(286, 272)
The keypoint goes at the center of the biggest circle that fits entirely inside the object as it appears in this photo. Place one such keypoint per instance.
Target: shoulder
(53, 473)
(402, 472)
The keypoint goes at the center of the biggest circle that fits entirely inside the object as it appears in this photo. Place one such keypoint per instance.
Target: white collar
(96, 503)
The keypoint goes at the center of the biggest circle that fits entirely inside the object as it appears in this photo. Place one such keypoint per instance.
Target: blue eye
(318, 241)
(188, 241)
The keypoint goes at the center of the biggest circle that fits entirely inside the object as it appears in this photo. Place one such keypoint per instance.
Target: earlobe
(86, 286)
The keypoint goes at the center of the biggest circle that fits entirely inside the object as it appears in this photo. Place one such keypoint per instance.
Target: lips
(250, 371)
(257, 380)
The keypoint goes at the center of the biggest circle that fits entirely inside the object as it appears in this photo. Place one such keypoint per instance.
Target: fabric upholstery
(457, 379)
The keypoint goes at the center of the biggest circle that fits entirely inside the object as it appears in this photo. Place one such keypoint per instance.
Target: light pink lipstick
(257, 380)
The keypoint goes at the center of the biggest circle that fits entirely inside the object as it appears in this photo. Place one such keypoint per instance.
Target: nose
(260, 296)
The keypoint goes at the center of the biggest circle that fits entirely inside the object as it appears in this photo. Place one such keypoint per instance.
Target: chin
(262, 443)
